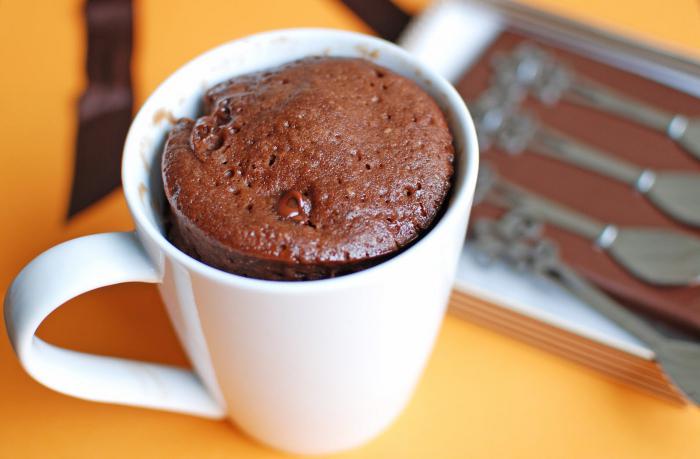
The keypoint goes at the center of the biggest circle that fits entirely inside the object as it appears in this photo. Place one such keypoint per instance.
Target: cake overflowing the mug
(317, 168)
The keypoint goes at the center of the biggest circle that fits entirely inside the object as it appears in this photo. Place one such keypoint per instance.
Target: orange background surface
(483, 395)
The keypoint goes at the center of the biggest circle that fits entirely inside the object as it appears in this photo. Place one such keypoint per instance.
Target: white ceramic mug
(307, 367)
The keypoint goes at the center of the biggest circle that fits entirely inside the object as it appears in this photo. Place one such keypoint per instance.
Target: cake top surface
(322, 160)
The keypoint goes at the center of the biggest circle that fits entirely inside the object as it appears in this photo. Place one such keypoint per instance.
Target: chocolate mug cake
(314, 169)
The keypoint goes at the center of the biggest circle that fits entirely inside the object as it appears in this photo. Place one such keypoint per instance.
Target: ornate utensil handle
(594, 95)
(556, 214)
(595, 298)
(500, 122)
(517, 239)
(559, 146)
(548, 79)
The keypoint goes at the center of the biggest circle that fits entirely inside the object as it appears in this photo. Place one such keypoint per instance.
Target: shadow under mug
(307, 367)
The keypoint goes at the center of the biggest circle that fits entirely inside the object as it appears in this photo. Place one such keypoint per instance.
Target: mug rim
(462, 187)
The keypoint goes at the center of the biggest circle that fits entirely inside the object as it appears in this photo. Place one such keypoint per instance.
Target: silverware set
(516, 239)
(658, 256)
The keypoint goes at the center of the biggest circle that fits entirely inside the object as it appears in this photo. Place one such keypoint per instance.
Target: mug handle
(66, 271)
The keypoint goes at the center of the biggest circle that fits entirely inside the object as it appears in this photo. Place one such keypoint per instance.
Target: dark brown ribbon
(105, 108)
(383, 16)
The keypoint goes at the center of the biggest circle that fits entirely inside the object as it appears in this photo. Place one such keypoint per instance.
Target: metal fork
(549, 80)
(516, 238)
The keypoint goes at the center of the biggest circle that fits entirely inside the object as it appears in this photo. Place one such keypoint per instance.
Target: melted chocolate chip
(294, 206)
